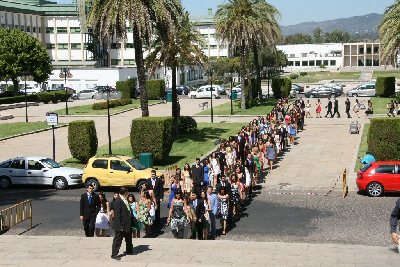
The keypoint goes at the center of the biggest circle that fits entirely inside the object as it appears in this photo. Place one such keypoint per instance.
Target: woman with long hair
(187, 178)
(136, 225)
(208, 208)
(144, 211)
(223, 208)
(318, 109)
(271, 152)
(177, 215)
(102, 223)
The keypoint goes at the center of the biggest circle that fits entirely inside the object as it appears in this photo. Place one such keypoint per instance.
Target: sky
(297, 11)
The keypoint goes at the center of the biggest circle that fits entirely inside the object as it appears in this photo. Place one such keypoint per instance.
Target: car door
(100, 171)
(120, 174)
(17, 171)
(386, 175)
(370, 90)
(36, 174)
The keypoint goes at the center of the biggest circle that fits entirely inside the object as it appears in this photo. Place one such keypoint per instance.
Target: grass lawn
(313, 77)
(13, 128)
(389, 73)
(186, 148)
(363, 147)
(379, 104)
(225, 109)
(87, 109)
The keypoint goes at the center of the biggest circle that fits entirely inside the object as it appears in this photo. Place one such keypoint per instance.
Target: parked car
(337, 87)
(321, 92)
(298, 88)
(221, 89)
(30, 90)
(87, 94)
(180, 90)
(38, 171)
(204, 92)
(111, 170)
(367, 89)
(379, 177)
(238, 92)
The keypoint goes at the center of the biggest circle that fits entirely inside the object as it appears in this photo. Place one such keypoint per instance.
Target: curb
(33, 132)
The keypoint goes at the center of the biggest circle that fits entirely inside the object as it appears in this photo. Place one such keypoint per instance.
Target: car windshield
(366, 167)
(49, 163)
(136, 164)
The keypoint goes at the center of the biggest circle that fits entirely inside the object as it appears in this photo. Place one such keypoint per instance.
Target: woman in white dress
(103, 217)
(308, 108)
(215, 167)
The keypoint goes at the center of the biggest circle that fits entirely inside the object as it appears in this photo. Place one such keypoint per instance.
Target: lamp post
(231, 78)
(211, 101)
(108, 90)
(65, 73)
(25, 76)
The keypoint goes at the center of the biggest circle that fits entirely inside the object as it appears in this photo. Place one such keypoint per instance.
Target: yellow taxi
(115, 170)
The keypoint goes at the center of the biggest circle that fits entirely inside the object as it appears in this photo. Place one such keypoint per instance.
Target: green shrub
(303, 73)
(19, 99)
(155, 89)
(153, 135)
(187, 124)
(383, 138)
(113, 103)
(281, 87)
(385, 86)
(127, 88)
(82, 140)
(45, 97)
(294, 76)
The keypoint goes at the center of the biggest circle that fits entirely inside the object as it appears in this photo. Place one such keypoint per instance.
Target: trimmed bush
(385, 86)
(303, 73)
(153, 135)
(281, 87)
(155, 89)
(82, 140)
(383, 138)
(18, 99)
(294, 76)
(186, 125)
(127, 88)
(113, 103)
(45, 97)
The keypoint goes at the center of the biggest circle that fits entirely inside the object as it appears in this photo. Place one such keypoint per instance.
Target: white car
(238, 91)
(38, 171)
(30, 90)
(367, 89)
(204, 92)
(87, 94)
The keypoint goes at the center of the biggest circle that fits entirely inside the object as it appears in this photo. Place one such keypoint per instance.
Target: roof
(39, 7)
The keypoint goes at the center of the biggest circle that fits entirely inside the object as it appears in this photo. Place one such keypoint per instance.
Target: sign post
(52, 119)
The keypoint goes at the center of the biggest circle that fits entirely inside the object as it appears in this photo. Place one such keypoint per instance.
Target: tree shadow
(202, 135)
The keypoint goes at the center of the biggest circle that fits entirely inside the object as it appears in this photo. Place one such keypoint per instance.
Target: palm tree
(389, 29)
(109, 18)
(175, 51)
(243, 23)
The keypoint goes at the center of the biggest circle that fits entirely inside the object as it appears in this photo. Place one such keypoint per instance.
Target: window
(49, 29)
(326, 62)
(100, 163)
(297, 63)
(129, 62)
(129, 29)
(376, 50)
(76, 46)
(213, 47)
(319, 62)
(376, 62)
(304, 54)
(115, 45)
(290, 63)
(389, 169)
(33, 29)
(369, 50)
(39, 30)
(34, 165)
(18, 164)
(360, 62)
(129, 45)
(119, 165)
(28, 28)
(3, 25)
(292, 55)
(50, 46)
(361, 51)
(5, 164)
(22, 28)
(115, 61)
(304, 63)
(62, 46)
(75, 29)
(332, 62)
(311, 63)
(62, 30)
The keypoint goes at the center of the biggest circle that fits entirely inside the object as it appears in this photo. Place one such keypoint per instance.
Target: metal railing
(15, 214)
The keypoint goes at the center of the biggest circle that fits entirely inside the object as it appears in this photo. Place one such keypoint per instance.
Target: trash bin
(146, 159)
(169, 96)
(234, 95)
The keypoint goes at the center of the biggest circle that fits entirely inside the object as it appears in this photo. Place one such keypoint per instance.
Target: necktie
(153, 182)
(195, 204)
(90, 199)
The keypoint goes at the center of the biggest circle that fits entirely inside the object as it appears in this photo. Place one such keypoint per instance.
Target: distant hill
(366, 25)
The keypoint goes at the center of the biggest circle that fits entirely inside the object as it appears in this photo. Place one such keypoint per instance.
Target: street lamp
(108, 91)
(211, 90)
(25, 76)
(65, 73)
(231, 78)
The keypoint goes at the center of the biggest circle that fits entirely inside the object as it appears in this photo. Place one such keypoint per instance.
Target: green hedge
(155, 89)
(153, 135)
(293, 76)
(385, 86)
(54, 97)
(82, 140)
(186, 124)
(18, 99)
(127, 88)
(384, 138)
(281, 87)
(113, 103)
(303, 73)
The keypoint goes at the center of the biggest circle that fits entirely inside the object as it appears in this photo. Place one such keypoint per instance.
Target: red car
(378, 177)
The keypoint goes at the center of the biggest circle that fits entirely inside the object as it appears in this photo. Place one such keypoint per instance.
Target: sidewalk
(80, 251)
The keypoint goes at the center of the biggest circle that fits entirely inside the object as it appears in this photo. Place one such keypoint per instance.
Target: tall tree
(238, 22)
(21, 55)
(175, 51)
(109, 19)
(317, 34)
(389, 29)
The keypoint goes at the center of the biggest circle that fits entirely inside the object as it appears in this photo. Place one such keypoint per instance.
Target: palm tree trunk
(242, 74)
(141, 72)
(258, 71)
(175, 112)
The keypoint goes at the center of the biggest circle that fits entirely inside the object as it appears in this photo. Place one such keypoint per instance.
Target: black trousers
(348, 113)
(199, 230)
(157, 215)
(117, 241)
(329, 112)
(336, 111)
(88, 225)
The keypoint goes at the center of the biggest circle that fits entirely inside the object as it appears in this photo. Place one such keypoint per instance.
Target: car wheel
(140, 184)
(312, 96)
(333, 95)
(214, 96)
(94, 183)
(5, 182)
(60, 183)
(375, 189)
(354, 95)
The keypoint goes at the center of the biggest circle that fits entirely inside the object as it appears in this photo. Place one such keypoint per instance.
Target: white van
(205, 92)
(367, 89)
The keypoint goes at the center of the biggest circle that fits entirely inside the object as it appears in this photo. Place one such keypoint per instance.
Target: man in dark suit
(198, 206)
(282, 137)
(198, 176)
(329, 106)
(155, 183)
(224, 183)
(122, 224)
(336, 107)
(89, 207)
(242, 144)
(249, 163)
